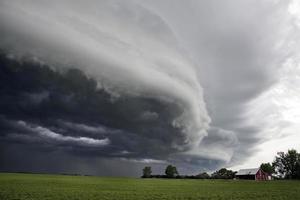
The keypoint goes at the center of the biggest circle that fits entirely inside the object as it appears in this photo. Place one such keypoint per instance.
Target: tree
(268, 168)
(171, 171)
(287, 165)
(203, 175)
(223, 174)
(147, 172)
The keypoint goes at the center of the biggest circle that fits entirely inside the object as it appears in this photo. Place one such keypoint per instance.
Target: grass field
(40, 187)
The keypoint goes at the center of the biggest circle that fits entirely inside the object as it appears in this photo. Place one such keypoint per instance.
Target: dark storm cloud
(136, 82)
(40, 105)
(141, 90)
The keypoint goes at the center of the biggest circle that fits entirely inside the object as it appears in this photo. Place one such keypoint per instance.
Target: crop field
(40, 187)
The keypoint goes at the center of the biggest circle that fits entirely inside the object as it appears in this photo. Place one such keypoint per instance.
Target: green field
(39, 187)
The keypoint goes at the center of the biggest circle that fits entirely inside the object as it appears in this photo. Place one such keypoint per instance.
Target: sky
(106, 87)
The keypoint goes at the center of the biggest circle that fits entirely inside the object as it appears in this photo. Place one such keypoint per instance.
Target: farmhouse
(253, 174)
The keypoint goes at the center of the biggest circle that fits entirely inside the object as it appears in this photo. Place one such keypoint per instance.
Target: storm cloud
(129, 83)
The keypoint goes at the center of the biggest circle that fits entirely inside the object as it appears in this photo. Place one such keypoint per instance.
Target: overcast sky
(107, 87)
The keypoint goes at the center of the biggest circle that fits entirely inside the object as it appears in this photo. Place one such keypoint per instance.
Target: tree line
(285, 166)
(171, 172)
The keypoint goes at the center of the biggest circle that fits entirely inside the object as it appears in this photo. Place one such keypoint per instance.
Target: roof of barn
(251, 171)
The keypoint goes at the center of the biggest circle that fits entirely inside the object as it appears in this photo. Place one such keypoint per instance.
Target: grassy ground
(40, 187)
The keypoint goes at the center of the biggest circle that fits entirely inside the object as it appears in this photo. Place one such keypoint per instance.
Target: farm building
(253, 174)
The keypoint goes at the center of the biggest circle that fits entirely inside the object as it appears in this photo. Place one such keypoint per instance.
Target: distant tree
(268, 168)
(287, 165)
(171, 171)
(223, 174)
(203, 175)
(147, 172)
(298, 169)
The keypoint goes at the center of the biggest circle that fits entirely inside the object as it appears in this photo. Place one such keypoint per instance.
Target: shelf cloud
(129, 83)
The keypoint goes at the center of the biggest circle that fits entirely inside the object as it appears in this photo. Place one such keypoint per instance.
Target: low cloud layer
(133, 83)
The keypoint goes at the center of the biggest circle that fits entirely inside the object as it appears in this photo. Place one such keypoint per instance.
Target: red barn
(253, 174)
